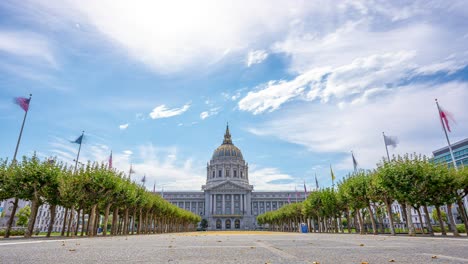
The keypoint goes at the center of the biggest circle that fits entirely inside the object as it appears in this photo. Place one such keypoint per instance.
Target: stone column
(223, 203)
(214, 204)
(242, 204)
(232, 203)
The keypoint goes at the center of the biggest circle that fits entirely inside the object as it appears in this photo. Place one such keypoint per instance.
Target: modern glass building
(460, 152)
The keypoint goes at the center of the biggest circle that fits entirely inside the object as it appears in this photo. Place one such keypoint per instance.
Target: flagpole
(446, 136)
(354, 161)
(78, 155)
(21, 131)
(386, 147)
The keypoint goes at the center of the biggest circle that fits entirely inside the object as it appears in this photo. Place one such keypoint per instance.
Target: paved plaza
(237, 247)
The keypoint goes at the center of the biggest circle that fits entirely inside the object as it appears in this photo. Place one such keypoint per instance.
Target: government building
(227, 200)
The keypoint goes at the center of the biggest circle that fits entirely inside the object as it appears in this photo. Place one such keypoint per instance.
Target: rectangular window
(214, 174)
(219, 173)
(227, 173)
(235, 174)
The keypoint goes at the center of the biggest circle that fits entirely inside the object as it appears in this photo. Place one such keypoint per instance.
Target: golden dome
(227, 149)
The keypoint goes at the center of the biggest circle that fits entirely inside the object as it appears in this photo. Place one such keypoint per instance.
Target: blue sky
(301, 83)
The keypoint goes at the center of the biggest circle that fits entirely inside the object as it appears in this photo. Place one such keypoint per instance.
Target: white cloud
(127, 152)
(123, 126)
(255, 57)
(173, 35)
(211, 112)
(356, 81)
(270, 179)
(160, 164)
(27, 45)
(163, 112)
(407, 112)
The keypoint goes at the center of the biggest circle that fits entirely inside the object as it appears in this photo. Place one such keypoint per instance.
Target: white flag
(391, 141)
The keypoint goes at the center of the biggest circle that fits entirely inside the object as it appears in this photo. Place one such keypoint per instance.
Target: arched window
(218, 224)
(237, 224)
(228, 224)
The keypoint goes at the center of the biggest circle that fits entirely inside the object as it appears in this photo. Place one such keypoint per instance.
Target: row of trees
(93, 190)
(411, 180)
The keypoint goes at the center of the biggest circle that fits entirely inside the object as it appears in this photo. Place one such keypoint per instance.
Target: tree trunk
(64, 224)
(70, 220)
(361, 222)
(119, 228)
(32, 218)
(83, 223)
(91, 219)
(428, 221)
(348, 219)
(409, 220)
(371, 215)
(78, 214)
(405, 215)
(133, 221)
(87, 225)
(96, 221)
(441, 221)
(355, 221)
(462, 210)
(125, 226)
(12, 218)
(453, 225)
(421, 220)
(115, 221)
(106, 219)
(52, 219)
(140, 220)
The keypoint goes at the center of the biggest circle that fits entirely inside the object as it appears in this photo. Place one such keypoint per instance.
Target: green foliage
(460, 228)
(436, 217)
(93, 185)
(204, 223)
(23, 216)
(13, 232)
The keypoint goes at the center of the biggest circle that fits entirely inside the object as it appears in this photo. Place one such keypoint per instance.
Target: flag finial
(227, 136)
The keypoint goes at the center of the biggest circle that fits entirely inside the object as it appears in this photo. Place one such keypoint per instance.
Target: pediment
(228, 186)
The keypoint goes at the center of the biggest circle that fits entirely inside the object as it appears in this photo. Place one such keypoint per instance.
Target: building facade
(227, 200)
(460, 153)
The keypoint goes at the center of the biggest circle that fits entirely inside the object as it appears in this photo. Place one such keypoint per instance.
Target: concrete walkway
(237, 247)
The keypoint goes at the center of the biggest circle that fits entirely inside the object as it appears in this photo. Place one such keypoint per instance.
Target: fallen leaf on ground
(361, 245)
(434, 256)
(72, 249)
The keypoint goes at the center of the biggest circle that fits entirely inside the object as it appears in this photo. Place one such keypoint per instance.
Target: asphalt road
(237, 247)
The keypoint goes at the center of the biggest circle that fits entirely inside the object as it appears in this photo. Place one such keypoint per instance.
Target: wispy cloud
(123, 126)
(255, 57)
(213, 111)
(160, 164)
(163, 112)
(408, 113)
(27, 45)
(270, 179)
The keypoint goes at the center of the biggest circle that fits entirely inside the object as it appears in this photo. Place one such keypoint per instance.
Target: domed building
(228, 201)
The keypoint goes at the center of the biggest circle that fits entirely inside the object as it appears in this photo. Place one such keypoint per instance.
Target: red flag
(444, 115)
(23, 102)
